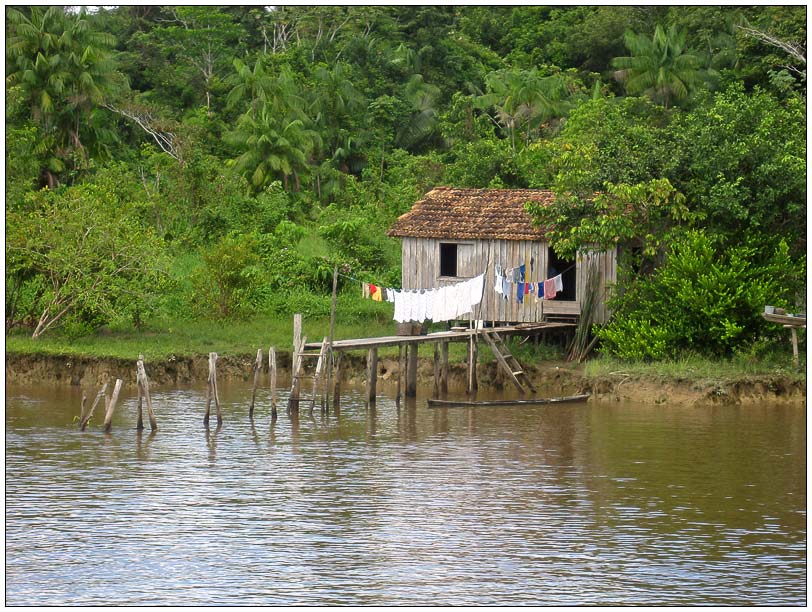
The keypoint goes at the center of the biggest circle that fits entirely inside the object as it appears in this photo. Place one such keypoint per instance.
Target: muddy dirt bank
(549, 378)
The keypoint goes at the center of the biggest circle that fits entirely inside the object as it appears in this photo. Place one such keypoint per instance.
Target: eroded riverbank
(553, 378)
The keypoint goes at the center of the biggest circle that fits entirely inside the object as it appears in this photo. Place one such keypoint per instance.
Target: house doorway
(566, 267)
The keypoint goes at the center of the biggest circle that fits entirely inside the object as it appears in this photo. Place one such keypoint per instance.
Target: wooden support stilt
(444, 367)
(794, 338)
(83, 423)
(111, 406)
(143, 390)
(411, 370)
(211, 392)
(295, 388)
(436, 392)
(400, 374)
(139, 421)
(472, 360)
(372, 374)
(257, 372)
(322, 361)
(326, 401)
(297, 338)
(272, 373)
(337, 387)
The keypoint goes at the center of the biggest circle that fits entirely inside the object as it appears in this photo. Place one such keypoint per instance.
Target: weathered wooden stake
(143, 389)
(337, 387)
(330, 340)
(211, 391)
(214, 388)
(139, 421)
(794, 333)
(99, 395)
(472, 359)
(295, 388)
(257, 372)
(372, 374)
(436, 391)
(444, 367)
(297, 337)
(411, 370)
(84, 407)
(400, 373)
(272, 371)
(111, 406)
(320, 363)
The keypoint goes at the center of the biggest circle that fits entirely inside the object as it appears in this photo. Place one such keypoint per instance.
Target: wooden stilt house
(454, 234)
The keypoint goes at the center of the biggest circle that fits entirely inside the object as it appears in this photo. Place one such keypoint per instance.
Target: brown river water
(549, 505)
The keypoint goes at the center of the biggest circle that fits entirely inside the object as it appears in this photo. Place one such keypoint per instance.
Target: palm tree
(661, 67)
(523, 100)
(273, 146)
(65, 70)
(422, 121)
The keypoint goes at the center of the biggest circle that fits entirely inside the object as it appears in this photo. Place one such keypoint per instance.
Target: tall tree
(661, 67)
(65, 71)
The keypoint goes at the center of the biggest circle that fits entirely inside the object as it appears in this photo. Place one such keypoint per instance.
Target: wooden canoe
(438, 403)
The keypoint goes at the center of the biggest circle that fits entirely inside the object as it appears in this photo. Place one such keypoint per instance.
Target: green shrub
(704, 297)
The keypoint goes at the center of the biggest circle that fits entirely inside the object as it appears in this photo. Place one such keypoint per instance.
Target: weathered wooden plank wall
(421, 270)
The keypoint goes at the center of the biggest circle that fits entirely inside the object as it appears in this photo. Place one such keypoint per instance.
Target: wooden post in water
(337, 387)
(111, 406)
(84, 407)
(411, 370)
(436, 391)
(372, 374)
(400, 373)
(143, 389)
(472, 359)
(295, 388)
(297, 337)
(320, 363)
(211, 391)
(257, 372)
(444, 367)
(272, 372)
(139, 421)
(330, 339)
(83, 423)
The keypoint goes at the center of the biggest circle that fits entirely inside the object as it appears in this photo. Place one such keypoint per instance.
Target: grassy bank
(698, 369)
(162, 340)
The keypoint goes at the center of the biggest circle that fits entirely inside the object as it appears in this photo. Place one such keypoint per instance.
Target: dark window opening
(448, 259)
(566, 267)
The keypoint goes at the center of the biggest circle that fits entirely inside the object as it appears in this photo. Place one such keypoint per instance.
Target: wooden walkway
(358, 344)
(408, 347)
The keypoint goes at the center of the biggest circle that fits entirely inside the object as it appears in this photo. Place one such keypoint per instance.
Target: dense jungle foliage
(166, 163)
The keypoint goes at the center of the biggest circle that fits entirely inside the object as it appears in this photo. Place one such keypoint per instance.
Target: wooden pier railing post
(143, 390)
(257, 372)
(411, 370)
(272, 372)
(111, 406)
(372, 374)
(326, 400)
(83, 423)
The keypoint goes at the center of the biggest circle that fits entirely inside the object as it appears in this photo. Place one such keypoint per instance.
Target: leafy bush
(703, 298)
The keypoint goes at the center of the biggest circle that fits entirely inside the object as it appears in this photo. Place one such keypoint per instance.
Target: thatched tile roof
(463, 214)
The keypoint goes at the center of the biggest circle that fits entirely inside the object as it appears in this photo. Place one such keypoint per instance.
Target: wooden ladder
(508, 362)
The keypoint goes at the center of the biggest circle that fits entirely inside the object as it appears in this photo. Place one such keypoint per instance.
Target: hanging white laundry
(559, 283)
(477, 286)
(430, 303)
(400, 302)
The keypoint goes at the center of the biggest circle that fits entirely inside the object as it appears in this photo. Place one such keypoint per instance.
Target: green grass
(699, 369)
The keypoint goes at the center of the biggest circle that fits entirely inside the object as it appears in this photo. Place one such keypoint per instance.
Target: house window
(448, 259)
(558, 265)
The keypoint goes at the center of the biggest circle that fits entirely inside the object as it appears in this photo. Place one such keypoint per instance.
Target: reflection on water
(565, 504)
